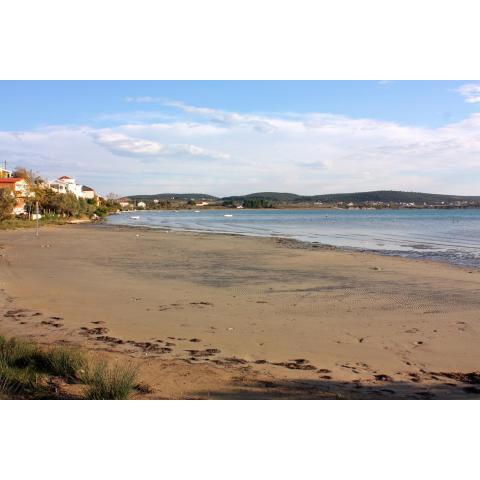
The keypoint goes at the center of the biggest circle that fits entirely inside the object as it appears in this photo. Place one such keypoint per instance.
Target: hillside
(272, 196)
(359, 197)
(169, 196)
(385, 196)
(392, 196)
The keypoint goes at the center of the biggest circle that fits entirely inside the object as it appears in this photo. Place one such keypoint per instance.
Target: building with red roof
(19, 189)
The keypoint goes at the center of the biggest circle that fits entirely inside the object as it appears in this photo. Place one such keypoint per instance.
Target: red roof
(10, 180)
(65, 178)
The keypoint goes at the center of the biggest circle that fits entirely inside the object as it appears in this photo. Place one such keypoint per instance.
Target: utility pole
(36, 216)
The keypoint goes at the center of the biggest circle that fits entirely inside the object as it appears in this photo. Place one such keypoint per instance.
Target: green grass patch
(28, 370)
(65, 362)
(19, 381)
(14, 223)
(106, 382)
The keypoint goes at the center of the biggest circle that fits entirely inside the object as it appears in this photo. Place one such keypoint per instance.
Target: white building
(66, 185)
(141, 204)
(88, 193)
(69, 185)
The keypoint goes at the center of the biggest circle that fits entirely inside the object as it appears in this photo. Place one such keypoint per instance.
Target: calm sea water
(446, 235)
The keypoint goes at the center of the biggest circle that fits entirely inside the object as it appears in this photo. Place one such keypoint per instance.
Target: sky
(232, 138)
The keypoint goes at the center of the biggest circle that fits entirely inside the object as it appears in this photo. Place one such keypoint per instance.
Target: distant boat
(135, 217)
(197, 211)
(228, 215)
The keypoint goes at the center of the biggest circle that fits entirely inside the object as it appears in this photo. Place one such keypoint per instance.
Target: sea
(451, 236)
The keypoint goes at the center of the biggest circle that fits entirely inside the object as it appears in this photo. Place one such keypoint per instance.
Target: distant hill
(358, 197)
(385, 196)
(272, 196)
(392, 196)
(169, 196)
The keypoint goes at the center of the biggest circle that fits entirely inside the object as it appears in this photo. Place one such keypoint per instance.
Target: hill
(271, 196)
(386, 196)
(170, 196)
(393, 196)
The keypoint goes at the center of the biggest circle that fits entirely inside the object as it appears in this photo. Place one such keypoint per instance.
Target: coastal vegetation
(106, 382)
(375, 199)
(54, 207)
(6, 205)
(31, 371)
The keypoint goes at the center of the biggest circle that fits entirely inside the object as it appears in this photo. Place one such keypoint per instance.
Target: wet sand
(218, 316)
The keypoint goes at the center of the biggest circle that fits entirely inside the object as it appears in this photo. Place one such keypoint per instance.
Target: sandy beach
(221, 316)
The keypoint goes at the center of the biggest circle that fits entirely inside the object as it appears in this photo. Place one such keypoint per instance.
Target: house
(66, 185)
(88, 193)
(4, 173)
(18, 188)
(141, 204)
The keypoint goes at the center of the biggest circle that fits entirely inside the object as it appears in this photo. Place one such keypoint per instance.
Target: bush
(18, 381)
(109, 383)
(28, 370)
(23, 366)
(7, 202)
(17, 353)
(17, 373)
(101, 211)
(64, 362)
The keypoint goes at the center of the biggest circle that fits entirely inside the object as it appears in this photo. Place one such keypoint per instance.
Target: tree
(7, 202)
(30, 176)
(257, 203)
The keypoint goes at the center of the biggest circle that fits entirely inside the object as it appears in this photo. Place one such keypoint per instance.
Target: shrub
(7, 202)
(18, 381)
(63, 362)
(109, 383)
(17, 373)
(18, 353)
(28, 370)
(24, 365)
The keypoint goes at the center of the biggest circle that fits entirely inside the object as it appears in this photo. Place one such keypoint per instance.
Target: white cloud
(261, 123)
(471, 92)
(142, 99)
(223, 153)
(125, 145)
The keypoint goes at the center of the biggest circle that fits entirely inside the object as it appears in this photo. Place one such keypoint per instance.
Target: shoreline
(233, 316)
(294, 243)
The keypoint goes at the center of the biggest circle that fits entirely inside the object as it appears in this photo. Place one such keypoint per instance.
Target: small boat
(197, 211)
(135, 217)
(228, 215)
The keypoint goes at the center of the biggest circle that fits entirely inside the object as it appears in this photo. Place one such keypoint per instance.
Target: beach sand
(221, 316)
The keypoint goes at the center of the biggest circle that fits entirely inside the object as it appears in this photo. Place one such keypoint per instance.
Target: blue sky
(238, 137)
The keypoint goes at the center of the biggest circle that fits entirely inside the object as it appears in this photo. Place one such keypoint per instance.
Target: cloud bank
(185, 147)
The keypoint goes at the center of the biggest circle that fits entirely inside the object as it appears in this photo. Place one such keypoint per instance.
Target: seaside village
(22, 192)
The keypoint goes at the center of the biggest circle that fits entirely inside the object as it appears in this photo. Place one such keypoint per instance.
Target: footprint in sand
(201, 304)
(51, 323)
